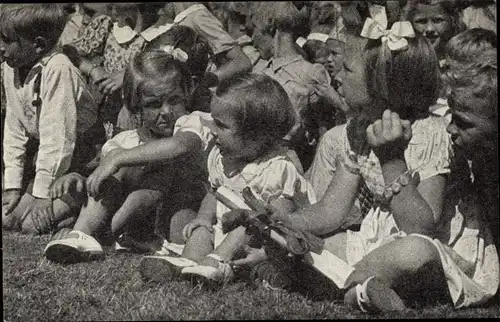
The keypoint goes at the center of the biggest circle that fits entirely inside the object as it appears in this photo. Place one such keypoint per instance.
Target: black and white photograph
(253, 160)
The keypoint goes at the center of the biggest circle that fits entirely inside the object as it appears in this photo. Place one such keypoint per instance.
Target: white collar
(181, 16)
(125, 34)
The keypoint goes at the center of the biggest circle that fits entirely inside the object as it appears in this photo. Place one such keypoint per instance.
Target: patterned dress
(97, 41)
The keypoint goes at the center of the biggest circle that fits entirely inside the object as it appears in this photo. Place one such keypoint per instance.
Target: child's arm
(417, 202)
(328, 214)
(206, 216)
(181, 144)
(222, 44)
(14, 153)
(236, 62)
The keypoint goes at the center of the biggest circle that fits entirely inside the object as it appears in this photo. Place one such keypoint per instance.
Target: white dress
(468, 254)
(269, 178)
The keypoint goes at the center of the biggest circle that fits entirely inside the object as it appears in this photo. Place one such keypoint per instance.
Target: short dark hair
(45, 20)
(468, 45)
(261, 105)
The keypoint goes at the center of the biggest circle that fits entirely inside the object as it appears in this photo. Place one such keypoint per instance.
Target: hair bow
(376, 28)
(177, 53)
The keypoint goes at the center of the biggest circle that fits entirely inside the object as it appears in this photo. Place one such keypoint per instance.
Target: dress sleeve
(124, 140)
(430, 149)
(210, 28)
(197, 124)
(323, 167)
(93, 38)
(282, 180)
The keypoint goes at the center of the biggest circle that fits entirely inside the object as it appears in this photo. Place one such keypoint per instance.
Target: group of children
(371, 125)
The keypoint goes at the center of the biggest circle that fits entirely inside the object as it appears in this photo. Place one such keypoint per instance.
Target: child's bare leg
(404, 259)
(179, 220)
(233, 242)
(410, 265)
(137, 205)
(199, 244)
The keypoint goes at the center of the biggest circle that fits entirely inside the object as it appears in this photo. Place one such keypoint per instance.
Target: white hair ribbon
(318, 36)
(312, 36)
(301, 41)
(376, 28)
(177, 53)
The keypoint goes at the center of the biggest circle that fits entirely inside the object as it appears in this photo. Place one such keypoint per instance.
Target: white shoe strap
(362, 296)
(216, 257)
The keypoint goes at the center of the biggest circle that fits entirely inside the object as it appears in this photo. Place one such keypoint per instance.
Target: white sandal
(222, 274)
(386, 299)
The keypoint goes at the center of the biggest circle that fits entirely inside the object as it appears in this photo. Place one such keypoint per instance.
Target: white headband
(312, 36)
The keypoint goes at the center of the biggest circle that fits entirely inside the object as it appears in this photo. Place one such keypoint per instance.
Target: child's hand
(98, 74)
(106, 169)
(40, 208)
(10, 199)
(67, 184)
(194, 224)
(389, 137)
(330, 94)
(111, 83)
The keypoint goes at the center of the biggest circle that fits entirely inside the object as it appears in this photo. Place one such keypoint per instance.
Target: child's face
(20, 52)
(471, 128)
(331, 57)
(352, 79)
(160, 112)
(432, 22)
(232, 143)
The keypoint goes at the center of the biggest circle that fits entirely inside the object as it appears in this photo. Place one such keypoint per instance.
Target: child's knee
(179, 220)
(416, 253)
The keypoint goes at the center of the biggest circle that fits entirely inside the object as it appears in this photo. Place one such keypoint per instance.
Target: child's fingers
(80, 187)
(387, 121)
(186, 232)
(66, 187)
(407, 133)
(396, 124)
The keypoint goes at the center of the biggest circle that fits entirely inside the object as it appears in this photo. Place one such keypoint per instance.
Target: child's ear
(40, 45)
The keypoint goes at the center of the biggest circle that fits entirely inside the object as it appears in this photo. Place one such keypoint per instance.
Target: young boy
(49, 113)
(285, 23)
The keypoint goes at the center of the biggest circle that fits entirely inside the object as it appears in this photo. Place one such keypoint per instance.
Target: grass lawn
(37, 290)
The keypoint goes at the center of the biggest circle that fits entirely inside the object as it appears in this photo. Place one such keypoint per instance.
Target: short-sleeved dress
(270, 178)
(468, 255)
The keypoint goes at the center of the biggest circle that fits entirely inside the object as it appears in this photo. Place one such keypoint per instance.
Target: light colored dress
(465, 245)
(270, 178)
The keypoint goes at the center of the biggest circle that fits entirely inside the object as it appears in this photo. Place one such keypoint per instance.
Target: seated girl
(158, 85)
(418, 237)
(251, 113)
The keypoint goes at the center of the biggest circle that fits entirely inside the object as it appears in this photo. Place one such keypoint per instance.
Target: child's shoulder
(57, 62)
(309, 72)
(431, 126)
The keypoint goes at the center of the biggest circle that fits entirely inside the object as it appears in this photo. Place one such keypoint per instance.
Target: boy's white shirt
(182, 15)
(67, 108)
